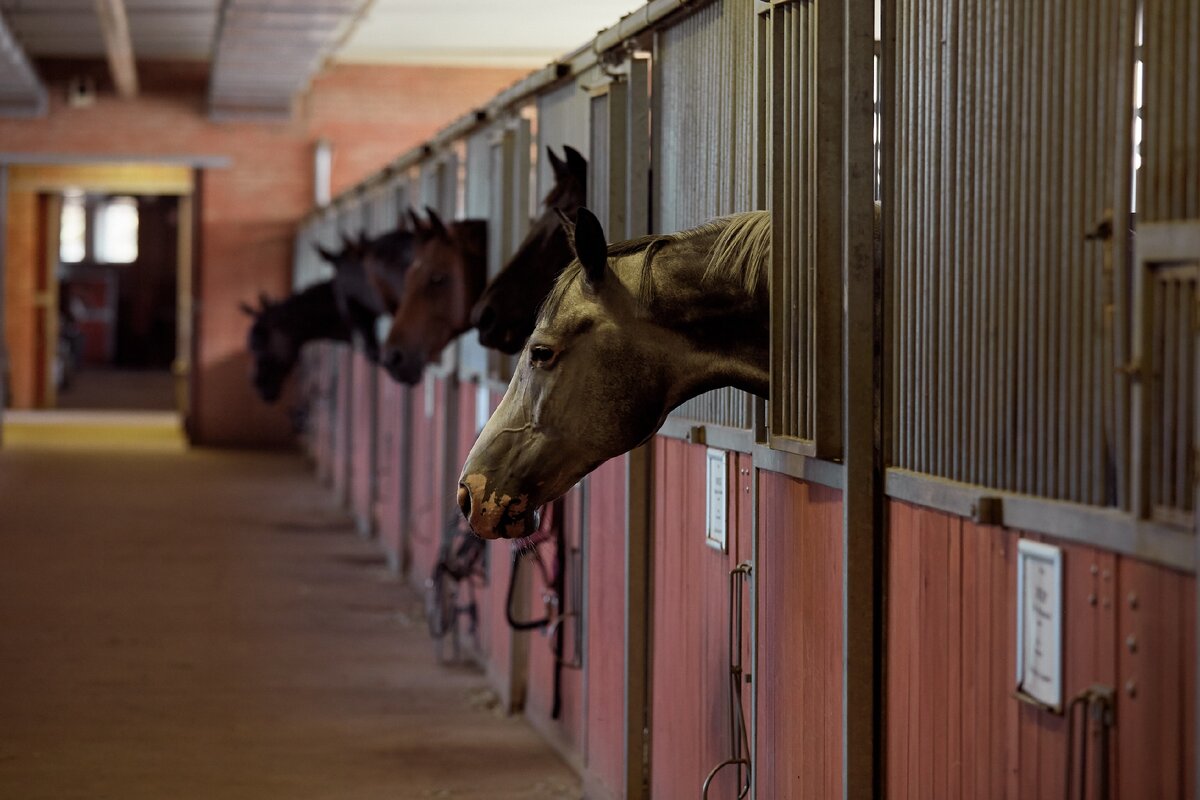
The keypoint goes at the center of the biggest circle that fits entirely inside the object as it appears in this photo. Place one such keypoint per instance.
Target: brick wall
(248, 211)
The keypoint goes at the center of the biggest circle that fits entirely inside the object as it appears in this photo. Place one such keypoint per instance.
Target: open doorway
(99, 260)
(117, 285)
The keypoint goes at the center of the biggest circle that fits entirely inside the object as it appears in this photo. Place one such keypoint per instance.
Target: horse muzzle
(494, 515)
(404, 368)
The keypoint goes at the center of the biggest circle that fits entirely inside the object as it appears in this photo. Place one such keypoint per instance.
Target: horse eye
(541, 356)
(437, 279)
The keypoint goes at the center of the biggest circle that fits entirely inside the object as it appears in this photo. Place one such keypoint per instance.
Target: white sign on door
(718, 498)
(1039, 622)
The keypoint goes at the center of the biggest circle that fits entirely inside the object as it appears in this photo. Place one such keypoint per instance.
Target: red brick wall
(248, 211)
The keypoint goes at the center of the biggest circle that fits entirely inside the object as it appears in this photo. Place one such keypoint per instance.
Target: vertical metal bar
(637, 211)
(862, 590)
(3, 295)
(639, 522)
(829, 186)
(1184, 301)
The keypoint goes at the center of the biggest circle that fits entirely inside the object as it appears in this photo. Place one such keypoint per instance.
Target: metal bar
(3, 296)
(862, 538)
(639, 522)
(829, 180)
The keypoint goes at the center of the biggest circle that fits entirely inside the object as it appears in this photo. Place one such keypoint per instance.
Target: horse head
(627, 334)
(444, 279)
(281, 328)
(506, 312)
(357, 298)
(387, 261)
(271, 347)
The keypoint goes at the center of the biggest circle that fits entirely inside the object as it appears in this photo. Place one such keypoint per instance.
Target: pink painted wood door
(392, 410)
(799, 695)
(363, 424)
(954, 727)
(690, 710)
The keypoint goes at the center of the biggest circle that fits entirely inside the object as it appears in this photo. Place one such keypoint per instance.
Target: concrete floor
(205, 625)
(119, 389)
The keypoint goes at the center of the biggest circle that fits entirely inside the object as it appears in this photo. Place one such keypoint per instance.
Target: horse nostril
(487, 319)
(464, 501)
(392, 359)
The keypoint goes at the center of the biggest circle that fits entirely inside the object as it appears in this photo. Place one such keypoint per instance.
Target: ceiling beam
(114, 26)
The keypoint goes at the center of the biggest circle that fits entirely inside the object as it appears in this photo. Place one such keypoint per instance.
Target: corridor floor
(207, 625)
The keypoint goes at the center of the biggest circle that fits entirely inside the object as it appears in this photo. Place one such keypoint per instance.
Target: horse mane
(742, 250)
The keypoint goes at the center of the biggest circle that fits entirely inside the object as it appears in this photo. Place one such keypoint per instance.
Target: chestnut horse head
(446, 276)
(280, 329)
(627, 334)
(508, 308)
(357, 298)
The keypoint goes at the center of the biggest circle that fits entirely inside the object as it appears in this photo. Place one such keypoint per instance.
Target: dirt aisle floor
(206, 625)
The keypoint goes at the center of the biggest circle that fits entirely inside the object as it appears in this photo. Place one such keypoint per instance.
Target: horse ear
(328, 255)
(417, 225)
(347, 242)
(590, 246)
(264, 302)
(556, 164)
(247, 309)
(576, 164)
(436, 226)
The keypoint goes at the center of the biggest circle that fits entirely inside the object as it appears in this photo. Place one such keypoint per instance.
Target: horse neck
(726, 326)
(312, 314)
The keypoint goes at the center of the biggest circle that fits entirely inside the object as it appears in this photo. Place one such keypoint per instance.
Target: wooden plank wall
(425, 522)
(342, 442)
(604, 763)
(323, 411)
(689, 718)
(392, 409)
(799, 639)
(362, 421)
(566, 732)
(954, 728)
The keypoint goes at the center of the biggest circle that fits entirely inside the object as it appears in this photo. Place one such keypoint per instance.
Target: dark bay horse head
(357, 298)
(280, 329)
(446, 276)
(387, 260)
(627, 334)
(506, 312)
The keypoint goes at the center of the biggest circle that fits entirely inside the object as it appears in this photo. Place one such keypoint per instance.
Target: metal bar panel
(1010, 148)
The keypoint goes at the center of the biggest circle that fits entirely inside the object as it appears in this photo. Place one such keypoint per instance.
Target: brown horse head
(627, 334)
(506, 312)
(447, 273)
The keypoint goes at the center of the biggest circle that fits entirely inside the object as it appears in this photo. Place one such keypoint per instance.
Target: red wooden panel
(391, 411)
(799, 639)
(342, 442)
(689, 652)
(324, 411)
(568, 729)
(362, 417)
(1156, 670)
(604, 724)
(954, 728)
(425, 518)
